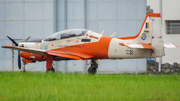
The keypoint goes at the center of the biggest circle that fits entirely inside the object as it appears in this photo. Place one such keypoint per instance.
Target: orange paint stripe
(7, 46)
(124, 44)
(148, 15)
(147, 46)
(93, 37)
(175, 45)
(154, 15)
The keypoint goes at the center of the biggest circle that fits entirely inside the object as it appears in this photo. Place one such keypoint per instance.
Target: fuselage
(91, 43)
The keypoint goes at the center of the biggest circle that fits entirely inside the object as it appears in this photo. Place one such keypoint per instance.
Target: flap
(68, 54)
(65, 55)
(143, 46)
(170, 45)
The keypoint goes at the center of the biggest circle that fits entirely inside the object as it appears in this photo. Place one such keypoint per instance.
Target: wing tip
(7, 46)
(3, 46)
(170, 45)
(175, 45)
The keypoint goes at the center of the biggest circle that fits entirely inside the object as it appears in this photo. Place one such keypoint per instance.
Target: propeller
(16, 44)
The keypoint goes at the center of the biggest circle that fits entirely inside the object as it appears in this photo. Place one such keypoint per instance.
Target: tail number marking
(129, 51)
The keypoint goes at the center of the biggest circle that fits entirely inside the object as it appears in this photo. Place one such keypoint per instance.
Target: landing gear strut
(93, 68)
(23, 67)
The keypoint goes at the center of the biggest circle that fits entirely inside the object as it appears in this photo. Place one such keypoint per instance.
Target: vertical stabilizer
(150, 33)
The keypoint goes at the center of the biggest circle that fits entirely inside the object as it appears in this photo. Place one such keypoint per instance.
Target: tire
(92, 71)
(50, 70)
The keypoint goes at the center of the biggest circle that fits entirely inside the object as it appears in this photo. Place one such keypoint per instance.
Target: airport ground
(83, 87)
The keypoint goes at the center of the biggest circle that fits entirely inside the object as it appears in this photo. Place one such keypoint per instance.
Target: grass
(81, 87)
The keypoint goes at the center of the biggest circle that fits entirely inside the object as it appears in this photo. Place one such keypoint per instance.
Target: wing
(147, 46)
(60, 53)
(69, 54)
(143, 46)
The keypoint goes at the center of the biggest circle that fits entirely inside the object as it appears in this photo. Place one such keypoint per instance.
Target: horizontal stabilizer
(170, 45)
(143, 46)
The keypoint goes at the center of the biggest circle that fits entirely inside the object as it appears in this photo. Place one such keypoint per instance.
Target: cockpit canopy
(66, 34)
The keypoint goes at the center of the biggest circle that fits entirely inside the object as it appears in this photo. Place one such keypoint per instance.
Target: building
(41, 18)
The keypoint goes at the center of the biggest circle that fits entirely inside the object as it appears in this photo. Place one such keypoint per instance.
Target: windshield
(66, 34)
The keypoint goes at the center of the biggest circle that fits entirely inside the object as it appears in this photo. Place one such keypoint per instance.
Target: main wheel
(92, 71)
(50, 70)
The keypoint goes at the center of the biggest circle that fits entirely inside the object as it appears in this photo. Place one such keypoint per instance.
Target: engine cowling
(31, 57)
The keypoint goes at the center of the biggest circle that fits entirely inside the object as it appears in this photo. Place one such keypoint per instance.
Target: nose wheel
(93, 68)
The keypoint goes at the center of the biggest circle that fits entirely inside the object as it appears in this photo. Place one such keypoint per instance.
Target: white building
(170, 12)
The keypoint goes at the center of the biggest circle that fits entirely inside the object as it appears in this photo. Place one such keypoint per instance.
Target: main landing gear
(93, 68)
(49, 64)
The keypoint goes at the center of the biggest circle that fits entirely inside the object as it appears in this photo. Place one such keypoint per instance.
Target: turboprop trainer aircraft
(83, 44)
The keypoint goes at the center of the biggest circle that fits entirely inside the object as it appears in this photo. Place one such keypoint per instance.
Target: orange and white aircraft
(83, 44)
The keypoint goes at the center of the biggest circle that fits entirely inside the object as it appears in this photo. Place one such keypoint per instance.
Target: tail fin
(150, 33)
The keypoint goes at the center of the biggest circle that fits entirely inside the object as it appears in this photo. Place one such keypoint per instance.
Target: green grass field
(83, 87)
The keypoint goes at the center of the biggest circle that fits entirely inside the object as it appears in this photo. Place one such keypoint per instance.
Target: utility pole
(12, 58)
(160, 9)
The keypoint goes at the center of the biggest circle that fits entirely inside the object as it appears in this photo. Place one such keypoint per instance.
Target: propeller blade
(19, 60)
(27, 38)
(13, 41)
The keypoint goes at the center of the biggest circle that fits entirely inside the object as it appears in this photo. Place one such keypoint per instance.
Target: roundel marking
(46, 47)
(143, 36)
